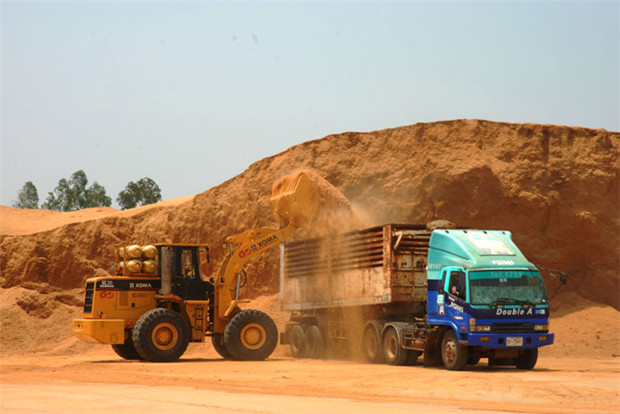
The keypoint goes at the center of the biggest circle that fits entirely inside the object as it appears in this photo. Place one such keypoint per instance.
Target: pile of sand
(41, 322)
(555, 187)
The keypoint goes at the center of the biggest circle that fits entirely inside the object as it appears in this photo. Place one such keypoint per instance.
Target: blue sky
(191, 93)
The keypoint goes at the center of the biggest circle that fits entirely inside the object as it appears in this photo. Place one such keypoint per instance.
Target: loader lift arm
(242, 248)
(296, 201)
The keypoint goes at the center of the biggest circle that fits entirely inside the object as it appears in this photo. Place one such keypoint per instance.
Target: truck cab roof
(475, 249)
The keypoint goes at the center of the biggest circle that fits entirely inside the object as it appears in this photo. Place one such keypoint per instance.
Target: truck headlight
(478, 328)
(541, 327)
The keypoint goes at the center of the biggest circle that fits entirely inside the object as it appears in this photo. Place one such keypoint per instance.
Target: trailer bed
(378, 265)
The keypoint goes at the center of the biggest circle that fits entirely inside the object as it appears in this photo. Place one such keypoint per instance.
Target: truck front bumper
(100, 331)
(510, 340)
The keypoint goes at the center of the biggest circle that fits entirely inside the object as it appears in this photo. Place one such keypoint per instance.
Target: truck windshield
(506, 287)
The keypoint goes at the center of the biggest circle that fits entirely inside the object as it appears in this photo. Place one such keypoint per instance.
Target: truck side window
(457, 285)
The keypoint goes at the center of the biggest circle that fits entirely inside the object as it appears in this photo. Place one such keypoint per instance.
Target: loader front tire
(126, 350)
(251, 335)
(161, 335)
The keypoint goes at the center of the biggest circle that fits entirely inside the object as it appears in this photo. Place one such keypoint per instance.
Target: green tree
(73, 194)
(145, 191)
(28, 196)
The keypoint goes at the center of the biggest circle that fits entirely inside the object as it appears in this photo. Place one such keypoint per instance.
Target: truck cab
(486, 299)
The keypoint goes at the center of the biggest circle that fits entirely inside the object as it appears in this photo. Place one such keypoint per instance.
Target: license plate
(514, 341)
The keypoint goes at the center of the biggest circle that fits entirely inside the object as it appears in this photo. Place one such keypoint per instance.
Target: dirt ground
(580, 373)
(97, 381)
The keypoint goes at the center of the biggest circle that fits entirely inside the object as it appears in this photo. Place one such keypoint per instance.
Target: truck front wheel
(251, 335)
(527, 359)
(454, 355)
(161, 335)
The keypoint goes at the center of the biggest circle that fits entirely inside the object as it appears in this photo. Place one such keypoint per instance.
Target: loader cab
(187, 275)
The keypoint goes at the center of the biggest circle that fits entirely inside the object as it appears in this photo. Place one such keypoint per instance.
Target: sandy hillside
(555, 187)
(16, 221)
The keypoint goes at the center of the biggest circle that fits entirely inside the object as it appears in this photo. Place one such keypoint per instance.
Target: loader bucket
(298, 198)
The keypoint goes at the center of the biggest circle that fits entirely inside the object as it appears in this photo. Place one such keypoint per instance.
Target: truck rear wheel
(251, 335)
(161, 335)
(527, 359)
(371, 343)
(126, 350)
(217, 340)
(394, 354)
(313, 342)
(454, 355)
(296, 340)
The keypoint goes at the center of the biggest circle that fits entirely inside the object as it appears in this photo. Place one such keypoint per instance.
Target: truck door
(453, 294)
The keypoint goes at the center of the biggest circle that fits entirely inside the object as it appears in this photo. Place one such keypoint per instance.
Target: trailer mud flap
(432, 351)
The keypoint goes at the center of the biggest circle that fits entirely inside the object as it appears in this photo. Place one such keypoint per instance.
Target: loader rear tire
(217, 340)
(251, 335)
(127, 350)
(161, 335)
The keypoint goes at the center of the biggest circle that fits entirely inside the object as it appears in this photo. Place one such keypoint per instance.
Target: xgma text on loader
(159, 300)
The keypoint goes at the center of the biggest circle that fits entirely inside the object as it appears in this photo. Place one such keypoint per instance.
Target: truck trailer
(397, 291)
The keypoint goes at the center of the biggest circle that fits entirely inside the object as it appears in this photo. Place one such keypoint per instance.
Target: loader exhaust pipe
(166, 270)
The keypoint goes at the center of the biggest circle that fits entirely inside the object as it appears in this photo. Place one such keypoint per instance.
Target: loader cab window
(186, 280)
(185, 263)
(188, 269)
(457, 285)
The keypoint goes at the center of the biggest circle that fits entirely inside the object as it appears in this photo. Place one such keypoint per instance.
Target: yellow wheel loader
(159, 299)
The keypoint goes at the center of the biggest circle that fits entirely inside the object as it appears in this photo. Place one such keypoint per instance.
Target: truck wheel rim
(449, 350)
(165, 336)
(253, 336)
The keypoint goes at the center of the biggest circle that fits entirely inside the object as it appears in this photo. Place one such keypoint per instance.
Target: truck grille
(513, 327)
(88, 297)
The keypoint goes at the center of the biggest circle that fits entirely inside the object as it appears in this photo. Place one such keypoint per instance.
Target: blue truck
(392, 293)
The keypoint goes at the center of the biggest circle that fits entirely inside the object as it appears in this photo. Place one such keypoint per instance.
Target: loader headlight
(541, 328)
